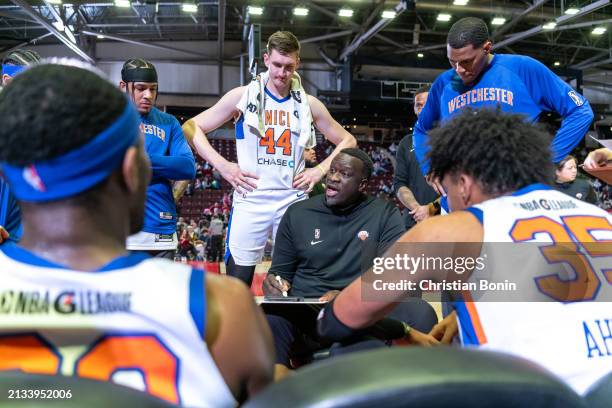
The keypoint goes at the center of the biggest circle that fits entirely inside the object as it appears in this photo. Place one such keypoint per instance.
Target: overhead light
(123, 3)
(461, 2)
(100, 37)
(571, 11)
(59, 26)
(598, 30)
(254, 10)
(190, 8)
(300, 11)
(556, 63)
(343, 12)
(388, 14)
(54, 1)
(498, 21)
(420, 55)
(549, 26)
(443, 17)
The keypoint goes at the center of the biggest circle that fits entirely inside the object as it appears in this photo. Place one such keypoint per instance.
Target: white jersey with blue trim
(138, 322)
(571, 338)
(275, 157)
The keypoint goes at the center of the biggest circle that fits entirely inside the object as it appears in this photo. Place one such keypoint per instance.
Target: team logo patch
(30, 175)
(578, 99)
(363, 235)
(297, 96)
(317, 233)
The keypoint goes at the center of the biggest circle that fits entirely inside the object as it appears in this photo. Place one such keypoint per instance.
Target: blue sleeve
(427, 120)
(550, 93)
(180, 163)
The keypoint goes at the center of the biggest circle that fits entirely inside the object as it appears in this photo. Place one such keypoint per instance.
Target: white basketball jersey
(274, 156)
(573, 338)
(138, 322)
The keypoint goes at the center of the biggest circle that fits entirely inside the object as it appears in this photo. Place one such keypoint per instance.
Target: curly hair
(501, 151)
(50, 109)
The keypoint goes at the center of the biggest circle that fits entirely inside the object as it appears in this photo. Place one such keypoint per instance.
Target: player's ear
(122, 86)
(487, 46)
(266, 59)
(135, 169)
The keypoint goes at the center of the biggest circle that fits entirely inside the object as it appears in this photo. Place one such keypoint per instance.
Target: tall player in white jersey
(73, 301)
(495, 169)
(273, 118)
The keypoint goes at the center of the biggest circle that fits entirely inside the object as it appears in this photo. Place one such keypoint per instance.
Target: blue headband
(12, 70)
(79, 169)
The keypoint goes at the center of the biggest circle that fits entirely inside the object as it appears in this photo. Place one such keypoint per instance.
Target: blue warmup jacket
(10, 214)
(171, 160)
(515, 83)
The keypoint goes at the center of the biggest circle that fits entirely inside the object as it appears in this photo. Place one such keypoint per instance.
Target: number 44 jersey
(548, 284)
(276, 157)
(138, 322)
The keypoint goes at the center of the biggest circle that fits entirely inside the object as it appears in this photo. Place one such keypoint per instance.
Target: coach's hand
(3, 234)
(242, 181)
(307, 179)
(446, 329)
(272, 286)
(420, 213)
(329, 295)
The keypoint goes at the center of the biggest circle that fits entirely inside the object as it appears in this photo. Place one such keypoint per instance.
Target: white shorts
(148, 241)
(254, 216)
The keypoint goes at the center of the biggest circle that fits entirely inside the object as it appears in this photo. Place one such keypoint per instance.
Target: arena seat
(420, 377)
(600, 394)
(84, 393)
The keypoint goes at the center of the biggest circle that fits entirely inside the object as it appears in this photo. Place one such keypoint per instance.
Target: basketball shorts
(148, 241)
(254, 217)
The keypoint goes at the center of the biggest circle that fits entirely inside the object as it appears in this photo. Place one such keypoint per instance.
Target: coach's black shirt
(408, 174)
(319, 249)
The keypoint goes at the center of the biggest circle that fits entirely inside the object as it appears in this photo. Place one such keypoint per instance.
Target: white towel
(252, 102)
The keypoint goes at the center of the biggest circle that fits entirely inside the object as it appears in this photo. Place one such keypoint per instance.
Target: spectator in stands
(410, 187)
(73, 152)
(216, 238)
(567, 182)
(325, 242)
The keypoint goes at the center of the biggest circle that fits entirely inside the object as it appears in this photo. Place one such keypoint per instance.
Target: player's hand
(329, 295)
(435, 184)
(307, 179)
(446, 329)
(272, 286)
(242, 181)
(3, 234)
(597, 158)
(420, 213)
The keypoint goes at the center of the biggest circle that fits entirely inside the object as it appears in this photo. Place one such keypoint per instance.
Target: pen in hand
(280, 281)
